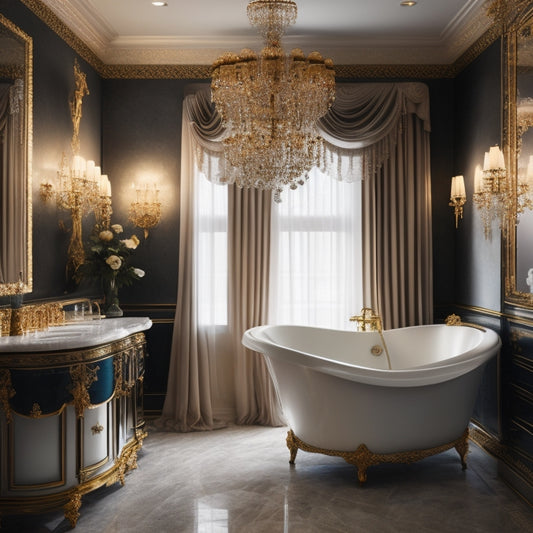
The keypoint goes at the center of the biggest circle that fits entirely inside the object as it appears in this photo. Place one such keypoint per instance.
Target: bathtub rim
(257, 340)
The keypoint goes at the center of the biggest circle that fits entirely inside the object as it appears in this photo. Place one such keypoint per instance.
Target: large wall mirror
(16, 57)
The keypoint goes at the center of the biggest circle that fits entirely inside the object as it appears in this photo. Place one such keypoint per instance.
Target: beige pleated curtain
(385, 124)
(388, 126)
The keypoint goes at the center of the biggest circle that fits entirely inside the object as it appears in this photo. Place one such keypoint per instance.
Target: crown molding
(192, 67)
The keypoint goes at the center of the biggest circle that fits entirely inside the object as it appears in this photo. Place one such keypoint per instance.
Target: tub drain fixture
(376, 350)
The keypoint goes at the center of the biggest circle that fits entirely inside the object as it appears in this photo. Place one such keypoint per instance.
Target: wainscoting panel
(504, 408)
(159, 344)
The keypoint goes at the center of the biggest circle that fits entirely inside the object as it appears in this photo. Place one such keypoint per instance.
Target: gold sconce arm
(457, 198)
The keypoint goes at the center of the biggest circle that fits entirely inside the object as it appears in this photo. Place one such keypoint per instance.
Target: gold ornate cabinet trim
(82, 378)
(6, 393)
(363, 458)
(123, 444)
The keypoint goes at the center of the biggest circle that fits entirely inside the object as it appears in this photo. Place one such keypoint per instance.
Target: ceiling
(351, 32)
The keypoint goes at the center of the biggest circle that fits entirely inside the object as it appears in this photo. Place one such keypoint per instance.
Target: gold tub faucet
(367, 320)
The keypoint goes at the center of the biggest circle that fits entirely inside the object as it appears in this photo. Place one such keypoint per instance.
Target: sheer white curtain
(316, 262)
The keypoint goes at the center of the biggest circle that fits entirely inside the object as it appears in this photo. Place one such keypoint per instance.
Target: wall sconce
(492, 195)
(457, 197)
(145, 211)
(80, 187)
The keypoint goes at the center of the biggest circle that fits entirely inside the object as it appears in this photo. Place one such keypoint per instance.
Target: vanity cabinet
(71, 415)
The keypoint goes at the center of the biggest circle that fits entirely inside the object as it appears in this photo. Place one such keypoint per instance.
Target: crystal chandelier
(269, 104)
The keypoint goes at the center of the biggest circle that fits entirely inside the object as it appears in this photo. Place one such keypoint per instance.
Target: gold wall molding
(518, 319)
(201, 72)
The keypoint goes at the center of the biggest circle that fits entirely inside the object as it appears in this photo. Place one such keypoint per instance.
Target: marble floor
(238, 480)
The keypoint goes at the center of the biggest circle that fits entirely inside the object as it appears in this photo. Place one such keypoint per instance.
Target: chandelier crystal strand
(269, 104)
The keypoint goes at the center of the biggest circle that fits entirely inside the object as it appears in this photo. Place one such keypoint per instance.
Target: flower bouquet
(106, 259)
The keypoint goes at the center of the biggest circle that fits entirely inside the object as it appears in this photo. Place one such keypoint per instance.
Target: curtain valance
(363, 122)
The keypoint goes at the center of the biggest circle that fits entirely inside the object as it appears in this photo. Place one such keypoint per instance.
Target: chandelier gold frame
(269, 104)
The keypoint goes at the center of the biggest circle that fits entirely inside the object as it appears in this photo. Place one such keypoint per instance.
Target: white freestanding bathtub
(340, 398)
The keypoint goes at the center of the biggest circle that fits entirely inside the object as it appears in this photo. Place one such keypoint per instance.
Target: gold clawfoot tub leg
(363, 458)
(462, 448)
(292, 445)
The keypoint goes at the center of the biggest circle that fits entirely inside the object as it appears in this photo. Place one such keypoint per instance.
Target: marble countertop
(79, 334)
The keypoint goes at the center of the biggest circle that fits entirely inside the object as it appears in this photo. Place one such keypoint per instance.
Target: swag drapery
(386, 125)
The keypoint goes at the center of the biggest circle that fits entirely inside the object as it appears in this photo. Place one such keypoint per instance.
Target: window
(211, 225)
(316, 265)
(316, 261)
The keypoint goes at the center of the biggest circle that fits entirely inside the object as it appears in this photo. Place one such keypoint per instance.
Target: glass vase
(111, 303)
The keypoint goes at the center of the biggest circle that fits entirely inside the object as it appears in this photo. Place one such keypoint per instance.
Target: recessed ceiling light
(159, 4)
(408, 3)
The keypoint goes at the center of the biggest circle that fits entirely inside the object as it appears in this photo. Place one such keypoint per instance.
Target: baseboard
(513, 471)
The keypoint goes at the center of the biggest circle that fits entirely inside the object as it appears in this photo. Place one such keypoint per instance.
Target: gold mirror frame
(25, 284)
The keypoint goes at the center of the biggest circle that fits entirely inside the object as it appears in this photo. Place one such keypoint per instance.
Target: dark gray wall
(141, 139)
(478, 126)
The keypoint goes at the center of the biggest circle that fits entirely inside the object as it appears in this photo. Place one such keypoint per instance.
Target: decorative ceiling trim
(62, 30)
(152, 72)
(488, 38)
(189, 72)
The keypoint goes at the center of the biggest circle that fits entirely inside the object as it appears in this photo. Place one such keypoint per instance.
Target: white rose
(131, 243)
(105, 235)
(114, 262)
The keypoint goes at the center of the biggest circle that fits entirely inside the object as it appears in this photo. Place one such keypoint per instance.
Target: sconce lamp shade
(458, 187)
(494, 159)
(458, 197)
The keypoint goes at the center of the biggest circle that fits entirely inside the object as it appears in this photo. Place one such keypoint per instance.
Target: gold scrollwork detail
(97, 429)
(36, 411)
(72, 508)
(128, 459)
(125, 371)
(506, 13)
(453, 320)
(6, 393)
(83, 376)
(362, 458)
